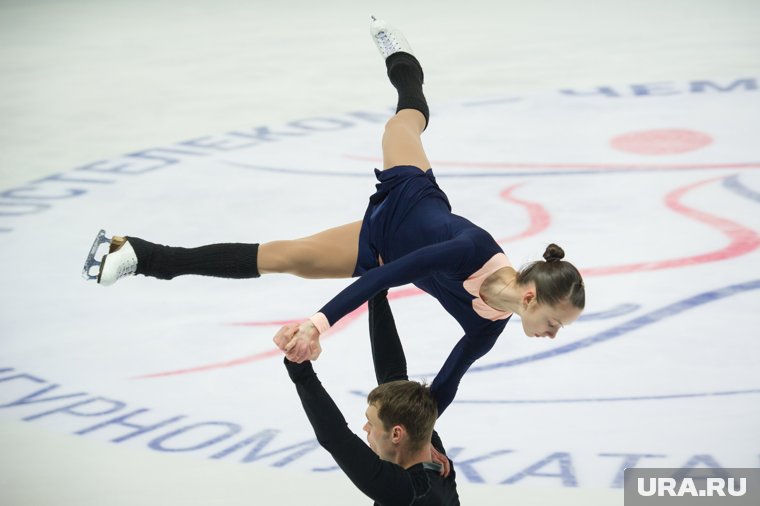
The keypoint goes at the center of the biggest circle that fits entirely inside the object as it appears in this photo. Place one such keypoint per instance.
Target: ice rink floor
(626, 133)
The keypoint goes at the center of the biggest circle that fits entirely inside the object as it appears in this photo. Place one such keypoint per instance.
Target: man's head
(400, 417)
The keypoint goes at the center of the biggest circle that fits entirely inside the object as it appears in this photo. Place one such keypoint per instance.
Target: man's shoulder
(431, 488)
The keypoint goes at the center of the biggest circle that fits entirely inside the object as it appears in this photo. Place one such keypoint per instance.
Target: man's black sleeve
(387, 352)
(383, 481)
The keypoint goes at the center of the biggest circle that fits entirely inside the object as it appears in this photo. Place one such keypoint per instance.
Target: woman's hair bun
(553, 253)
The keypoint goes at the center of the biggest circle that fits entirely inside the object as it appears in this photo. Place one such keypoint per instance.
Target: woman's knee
(399, 126)
(291, 257)
(406, 122)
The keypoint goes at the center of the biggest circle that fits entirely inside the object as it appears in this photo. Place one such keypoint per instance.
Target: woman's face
(543, 320)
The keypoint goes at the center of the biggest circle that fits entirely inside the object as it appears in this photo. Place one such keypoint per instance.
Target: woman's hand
(442, 459)
(299, 342)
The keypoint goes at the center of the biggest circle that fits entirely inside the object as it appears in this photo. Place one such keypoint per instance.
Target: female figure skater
(408, 235)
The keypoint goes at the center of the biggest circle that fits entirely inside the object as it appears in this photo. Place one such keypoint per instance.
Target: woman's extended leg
(331, 253)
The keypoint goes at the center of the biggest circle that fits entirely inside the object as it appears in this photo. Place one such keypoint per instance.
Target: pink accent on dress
(475, 281)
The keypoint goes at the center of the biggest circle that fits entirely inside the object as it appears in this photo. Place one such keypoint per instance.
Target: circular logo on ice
(188, 365)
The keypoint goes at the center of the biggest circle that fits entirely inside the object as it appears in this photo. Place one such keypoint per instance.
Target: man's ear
(398, 433)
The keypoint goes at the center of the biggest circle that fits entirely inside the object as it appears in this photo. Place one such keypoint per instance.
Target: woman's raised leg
(402, 144)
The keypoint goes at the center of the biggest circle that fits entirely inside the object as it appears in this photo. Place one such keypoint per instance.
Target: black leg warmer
(238, 261)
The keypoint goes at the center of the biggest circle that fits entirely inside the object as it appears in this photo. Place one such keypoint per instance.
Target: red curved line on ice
(743, 240)
(346, 320)
(538, 215)
(539, 221)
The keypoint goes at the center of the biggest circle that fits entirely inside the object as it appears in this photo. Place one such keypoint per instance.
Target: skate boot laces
(388, 39)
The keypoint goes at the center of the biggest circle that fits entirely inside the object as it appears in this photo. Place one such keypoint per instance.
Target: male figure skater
(397, 467)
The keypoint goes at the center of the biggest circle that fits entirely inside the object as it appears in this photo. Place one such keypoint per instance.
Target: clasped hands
(300, 342)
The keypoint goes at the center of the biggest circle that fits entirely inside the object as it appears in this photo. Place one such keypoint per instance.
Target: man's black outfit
(388, 484)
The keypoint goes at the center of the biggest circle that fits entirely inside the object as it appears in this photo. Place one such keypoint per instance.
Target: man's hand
(442, 459)
(299, 342)
(285, 334)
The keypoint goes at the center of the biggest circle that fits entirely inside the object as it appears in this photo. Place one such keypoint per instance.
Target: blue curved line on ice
(616, 399)
(732, 183)
(602, 399)
(619, 310)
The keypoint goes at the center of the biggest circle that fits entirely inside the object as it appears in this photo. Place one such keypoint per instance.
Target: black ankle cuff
(405, 73)
(404, 63)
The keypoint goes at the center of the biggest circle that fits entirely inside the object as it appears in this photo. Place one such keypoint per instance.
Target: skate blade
(91, 262)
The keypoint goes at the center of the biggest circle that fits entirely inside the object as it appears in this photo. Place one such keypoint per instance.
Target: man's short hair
(406, 403)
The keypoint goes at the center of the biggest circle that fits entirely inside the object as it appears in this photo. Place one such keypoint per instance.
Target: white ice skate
(388, 39)
(119, 262)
